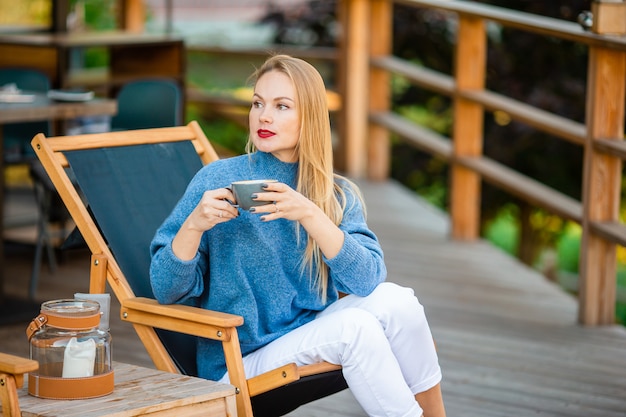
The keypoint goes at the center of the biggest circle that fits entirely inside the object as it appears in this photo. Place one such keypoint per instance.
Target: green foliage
(221, 132)
(97, 14)
(503, 231)
(568, 248)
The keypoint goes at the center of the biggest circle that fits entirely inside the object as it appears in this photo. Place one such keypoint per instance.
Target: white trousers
(382, 341)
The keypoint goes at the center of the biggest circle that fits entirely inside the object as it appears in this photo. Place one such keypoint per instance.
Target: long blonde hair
(316, 177)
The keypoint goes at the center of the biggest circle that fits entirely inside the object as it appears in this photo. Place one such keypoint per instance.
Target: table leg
(2, 185)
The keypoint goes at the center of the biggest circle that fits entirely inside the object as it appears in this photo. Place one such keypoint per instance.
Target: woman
(281, 265)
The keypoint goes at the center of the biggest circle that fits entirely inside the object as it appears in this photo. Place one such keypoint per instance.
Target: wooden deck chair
(131, 180)
(12, 370)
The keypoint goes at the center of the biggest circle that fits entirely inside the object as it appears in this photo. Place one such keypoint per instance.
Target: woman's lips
(264, 133)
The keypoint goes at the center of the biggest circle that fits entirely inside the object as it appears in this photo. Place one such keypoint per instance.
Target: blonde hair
(316, 178)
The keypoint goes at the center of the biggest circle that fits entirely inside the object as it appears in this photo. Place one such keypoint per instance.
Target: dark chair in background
(17, 136)
(148, 103)
(17, 151)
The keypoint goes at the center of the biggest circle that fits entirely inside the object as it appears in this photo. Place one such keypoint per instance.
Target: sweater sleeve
(359, 266)
(174, 280)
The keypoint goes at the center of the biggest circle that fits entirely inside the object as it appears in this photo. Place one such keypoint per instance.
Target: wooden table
(142, 391)
(42, 108)
(130, 56)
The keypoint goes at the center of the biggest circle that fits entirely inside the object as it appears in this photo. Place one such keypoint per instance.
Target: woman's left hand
(283, 202)
(286, 203)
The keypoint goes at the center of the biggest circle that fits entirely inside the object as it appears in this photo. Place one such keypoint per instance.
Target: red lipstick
(264, 133)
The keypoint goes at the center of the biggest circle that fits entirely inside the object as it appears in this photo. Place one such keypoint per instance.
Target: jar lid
(70, 314)
(71, 308)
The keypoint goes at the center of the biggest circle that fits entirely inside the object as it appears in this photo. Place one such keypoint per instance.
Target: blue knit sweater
(253, 268)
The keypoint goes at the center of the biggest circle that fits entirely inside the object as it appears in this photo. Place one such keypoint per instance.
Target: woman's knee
(397, 301)
(356, 325)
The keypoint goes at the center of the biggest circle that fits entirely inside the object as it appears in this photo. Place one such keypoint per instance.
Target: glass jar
(73, 353)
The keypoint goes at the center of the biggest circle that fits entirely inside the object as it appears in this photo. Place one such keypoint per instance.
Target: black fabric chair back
(130, 190)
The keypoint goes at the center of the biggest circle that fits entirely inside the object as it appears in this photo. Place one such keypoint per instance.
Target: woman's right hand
(212, 209)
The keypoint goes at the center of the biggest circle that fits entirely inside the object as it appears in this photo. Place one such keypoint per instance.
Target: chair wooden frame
(146, 314)
(12, 370)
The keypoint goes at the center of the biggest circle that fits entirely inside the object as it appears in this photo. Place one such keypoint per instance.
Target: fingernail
(254, 196)
(252, 209)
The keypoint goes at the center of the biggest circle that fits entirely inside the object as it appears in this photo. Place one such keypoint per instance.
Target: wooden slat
(613, 231)
(420, 137)
(533, 23)
(422, 76)
(615, 147)
(441, 83)
(517, 184)
(532, 116)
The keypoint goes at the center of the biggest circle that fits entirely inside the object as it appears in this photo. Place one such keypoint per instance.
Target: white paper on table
(79, 358)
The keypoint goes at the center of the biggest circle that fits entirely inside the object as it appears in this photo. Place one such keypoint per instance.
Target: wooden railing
(369, 123)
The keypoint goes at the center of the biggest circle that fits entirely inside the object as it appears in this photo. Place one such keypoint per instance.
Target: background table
(42, 108)
(142, 391)
(130, 56)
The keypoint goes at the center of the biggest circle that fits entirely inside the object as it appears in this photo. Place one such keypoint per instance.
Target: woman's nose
(265, 116)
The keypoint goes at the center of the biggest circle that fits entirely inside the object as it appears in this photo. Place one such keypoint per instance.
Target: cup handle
(232, 203)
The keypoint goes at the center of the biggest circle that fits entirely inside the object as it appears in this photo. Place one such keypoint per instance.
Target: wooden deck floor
(507, 338)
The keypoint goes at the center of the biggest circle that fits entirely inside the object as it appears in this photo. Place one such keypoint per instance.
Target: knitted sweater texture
(253, 268)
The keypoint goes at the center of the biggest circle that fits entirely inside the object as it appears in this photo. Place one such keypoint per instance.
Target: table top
(86, 39)
(43, 108)
(137, 391)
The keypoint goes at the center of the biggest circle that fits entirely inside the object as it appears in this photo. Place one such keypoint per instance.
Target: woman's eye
(282, 107)
(257, 104)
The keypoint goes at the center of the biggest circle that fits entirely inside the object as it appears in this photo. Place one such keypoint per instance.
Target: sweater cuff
(349, 255)
(179, 267)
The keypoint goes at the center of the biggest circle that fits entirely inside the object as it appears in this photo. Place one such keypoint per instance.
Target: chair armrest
(12, 370)
(17, 366)
(180, 318)
(284, 375)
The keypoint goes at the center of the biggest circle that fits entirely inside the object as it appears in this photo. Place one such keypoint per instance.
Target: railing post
(379, 148)
(467, 135)
(602, 172)
(355, 45)
(133, 15)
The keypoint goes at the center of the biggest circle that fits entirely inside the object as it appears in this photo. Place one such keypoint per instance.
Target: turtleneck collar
(273, 167)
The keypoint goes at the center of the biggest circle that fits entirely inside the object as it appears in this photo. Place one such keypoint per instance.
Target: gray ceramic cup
(243, 191)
